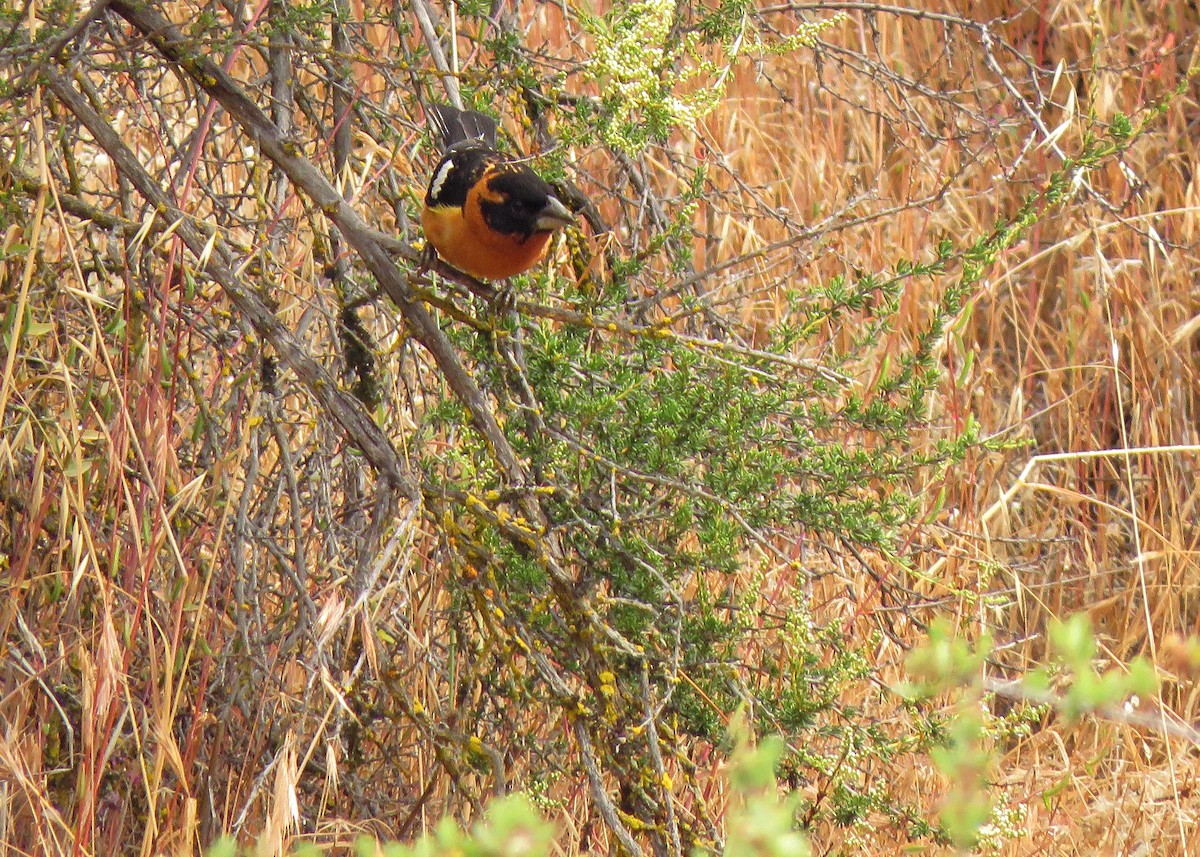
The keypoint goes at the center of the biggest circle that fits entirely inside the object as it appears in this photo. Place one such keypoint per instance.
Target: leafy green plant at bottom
(949, 664)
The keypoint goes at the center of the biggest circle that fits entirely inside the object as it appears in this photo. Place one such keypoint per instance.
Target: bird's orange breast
(465, 241)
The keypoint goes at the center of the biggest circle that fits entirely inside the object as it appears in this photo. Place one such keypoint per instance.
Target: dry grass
(161, 505)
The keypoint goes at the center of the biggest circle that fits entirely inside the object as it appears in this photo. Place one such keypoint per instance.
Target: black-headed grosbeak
(486, 214)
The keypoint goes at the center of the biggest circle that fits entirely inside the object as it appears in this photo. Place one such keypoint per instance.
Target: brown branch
(343, 408)
(283, 152)
(600, 794)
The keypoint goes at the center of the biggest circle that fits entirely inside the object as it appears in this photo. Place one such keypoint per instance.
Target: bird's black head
(515, 201)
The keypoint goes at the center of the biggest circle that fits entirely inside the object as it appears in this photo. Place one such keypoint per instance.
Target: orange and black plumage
(486, 214)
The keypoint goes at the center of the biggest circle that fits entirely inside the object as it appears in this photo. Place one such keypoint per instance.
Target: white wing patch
(439, 179)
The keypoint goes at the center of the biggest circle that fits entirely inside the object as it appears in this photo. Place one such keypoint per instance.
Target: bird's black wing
(456, 126)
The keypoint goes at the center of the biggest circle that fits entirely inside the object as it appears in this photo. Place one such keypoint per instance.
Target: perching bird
(486, 214)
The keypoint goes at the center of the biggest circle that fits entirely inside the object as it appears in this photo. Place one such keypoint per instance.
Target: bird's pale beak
(554, 216)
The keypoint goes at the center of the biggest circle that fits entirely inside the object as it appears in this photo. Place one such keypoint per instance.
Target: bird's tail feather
(456, 125)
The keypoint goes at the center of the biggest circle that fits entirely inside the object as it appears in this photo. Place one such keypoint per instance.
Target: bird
(486, 214)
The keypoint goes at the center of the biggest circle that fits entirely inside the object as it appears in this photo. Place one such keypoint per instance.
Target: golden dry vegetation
(220, 612)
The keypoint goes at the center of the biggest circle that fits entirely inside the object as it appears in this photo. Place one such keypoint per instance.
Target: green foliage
(653, 73)
(948, 663)
(512, 828)
(226, 846)
(639, 63)
(664, 460)
(760, 823)
(965, 762)
(1074, 644)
